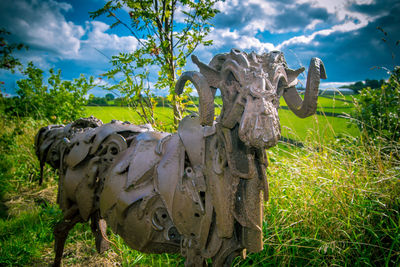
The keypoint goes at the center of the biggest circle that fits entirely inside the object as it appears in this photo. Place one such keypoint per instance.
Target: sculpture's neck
(242, 160)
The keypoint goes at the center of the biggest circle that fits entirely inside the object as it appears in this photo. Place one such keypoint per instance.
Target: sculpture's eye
(275, 102)
(257, 86)
(280, 87)
(231, 79)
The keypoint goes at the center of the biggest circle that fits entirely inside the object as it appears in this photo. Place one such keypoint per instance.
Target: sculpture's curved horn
(240, 57)
(231, 66)
(206, 96)
(308, 106)
(279, 81)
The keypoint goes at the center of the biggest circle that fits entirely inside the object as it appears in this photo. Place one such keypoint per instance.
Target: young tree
(167, 32)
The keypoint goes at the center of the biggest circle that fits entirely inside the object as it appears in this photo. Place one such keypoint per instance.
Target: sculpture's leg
(41, 173)
(230, 249)
(194, 259)
(99, 227)
(61, 230)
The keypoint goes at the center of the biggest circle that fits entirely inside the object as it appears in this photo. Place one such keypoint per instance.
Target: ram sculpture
(198, 192)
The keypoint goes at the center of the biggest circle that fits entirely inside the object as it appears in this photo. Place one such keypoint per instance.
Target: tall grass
(27, 212)
(335, 204)
(331, 203)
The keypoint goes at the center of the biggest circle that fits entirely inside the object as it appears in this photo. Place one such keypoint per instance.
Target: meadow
(332, 202)
(321, 126)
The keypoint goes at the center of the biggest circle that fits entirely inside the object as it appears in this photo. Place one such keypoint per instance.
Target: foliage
(109, 97)
(335, 205)
(58, 100)
(97, 101)
(167, 32)
(7, 60)
(358, 86)
(377, 111)
(27, 212)
(134, 85)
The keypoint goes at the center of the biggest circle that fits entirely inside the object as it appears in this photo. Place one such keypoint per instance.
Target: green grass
(27, 212)
(334, 104)
(331, 203)
(324, 102)
(108, 113)
(318, 127)
(331, 207)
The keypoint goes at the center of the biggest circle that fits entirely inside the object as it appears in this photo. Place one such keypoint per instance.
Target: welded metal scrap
(198, 192)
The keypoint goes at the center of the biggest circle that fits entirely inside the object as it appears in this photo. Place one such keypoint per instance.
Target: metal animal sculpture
(198, 192)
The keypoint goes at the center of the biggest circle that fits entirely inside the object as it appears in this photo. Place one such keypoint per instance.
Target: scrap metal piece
(170, 170)
(144, 158)
(79, 150)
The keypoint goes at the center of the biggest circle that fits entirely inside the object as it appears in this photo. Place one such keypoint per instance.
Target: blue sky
(343, 33)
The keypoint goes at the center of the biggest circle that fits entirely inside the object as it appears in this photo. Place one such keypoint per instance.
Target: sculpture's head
(251, 86)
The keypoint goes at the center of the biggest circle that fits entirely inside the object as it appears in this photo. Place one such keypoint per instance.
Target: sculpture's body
(198, 192)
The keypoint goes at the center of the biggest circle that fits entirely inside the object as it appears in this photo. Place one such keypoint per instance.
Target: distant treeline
(358, 86)
(111, 100)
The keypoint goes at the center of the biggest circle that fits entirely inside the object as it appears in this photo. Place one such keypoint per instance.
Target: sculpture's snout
(259, 126)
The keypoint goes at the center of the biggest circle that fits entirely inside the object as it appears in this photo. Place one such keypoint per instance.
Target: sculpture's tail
(51, 141)
(46, 141)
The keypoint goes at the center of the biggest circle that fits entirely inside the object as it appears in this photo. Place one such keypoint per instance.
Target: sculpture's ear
(211, 74)
(292, 76)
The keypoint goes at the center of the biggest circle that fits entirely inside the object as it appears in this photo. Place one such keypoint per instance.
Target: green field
(329, 205)
(332, 202)
(317, 127)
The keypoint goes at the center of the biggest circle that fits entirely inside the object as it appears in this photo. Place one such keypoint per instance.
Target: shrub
(97, 101)
(58, 101)
(377, 111)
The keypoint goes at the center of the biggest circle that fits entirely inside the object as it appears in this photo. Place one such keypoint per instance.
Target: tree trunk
(175, 103)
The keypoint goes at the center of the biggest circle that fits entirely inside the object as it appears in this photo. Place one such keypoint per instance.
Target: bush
(377, 111)
(59, 100)
(97, 101)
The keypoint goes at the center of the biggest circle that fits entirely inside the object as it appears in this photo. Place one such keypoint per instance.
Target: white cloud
(313, 24)
(179, 15)
(337, 6)
(109, 44)
(252, 17)
(304, 39)
(223, 37)
(101, 82)
(347, 26)
(41, 25)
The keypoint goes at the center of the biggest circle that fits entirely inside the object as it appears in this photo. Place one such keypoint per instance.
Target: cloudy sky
(343, 33)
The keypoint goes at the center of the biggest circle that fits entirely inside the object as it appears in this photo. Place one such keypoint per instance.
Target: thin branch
(163, 12)
(192, 50)
(185, 31)
(102, 54)
(150, 30)
(126, 26)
